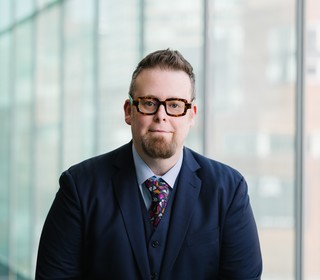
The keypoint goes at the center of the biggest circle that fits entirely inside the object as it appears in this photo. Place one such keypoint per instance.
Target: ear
(127, 111)
(193, 114)
(194, 110)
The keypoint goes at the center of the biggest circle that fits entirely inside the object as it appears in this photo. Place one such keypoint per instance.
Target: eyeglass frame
(136, 101)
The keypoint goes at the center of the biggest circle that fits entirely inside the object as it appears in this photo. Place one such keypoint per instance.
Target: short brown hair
(167, 60)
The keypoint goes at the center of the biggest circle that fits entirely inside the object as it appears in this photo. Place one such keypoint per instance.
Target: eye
(149, 103)
(175, 104)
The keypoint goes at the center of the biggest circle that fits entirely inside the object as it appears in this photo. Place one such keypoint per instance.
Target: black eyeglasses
(175, 107)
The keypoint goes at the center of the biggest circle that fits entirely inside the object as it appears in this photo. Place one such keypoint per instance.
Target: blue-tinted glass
(21, 150)
(251, 86)
(42, 3)
(5, 46)
(78, 66)
(311, 189)
(23, 9)
(47, 115)
(5, 14)
(118, 55)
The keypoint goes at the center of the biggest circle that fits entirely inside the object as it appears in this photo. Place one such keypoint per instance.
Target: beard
(158, 147)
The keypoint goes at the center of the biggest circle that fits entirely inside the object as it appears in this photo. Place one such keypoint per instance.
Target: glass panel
(312, 155)
(78, 87)
(47, 118)
(5, 14)
(23, 8)
(251, 87)
(21, 150)
(116, 63)
(5, 123)
(179, 25)
(41, 3)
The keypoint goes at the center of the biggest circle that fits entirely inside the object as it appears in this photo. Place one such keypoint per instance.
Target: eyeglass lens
(151, 105)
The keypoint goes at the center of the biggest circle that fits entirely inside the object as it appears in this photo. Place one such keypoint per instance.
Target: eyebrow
(153, 96)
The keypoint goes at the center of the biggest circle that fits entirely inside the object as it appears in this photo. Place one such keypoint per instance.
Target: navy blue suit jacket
(94, 229)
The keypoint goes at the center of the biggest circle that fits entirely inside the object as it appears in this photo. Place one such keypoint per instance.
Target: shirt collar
(143, 171)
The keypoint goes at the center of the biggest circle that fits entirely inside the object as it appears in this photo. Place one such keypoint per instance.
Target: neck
(159, 166)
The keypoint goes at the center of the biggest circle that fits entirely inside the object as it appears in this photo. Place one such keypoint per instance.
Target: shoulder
(102, 164)
(93, 177)
(210, 167)
(216, 177)
(220, 183)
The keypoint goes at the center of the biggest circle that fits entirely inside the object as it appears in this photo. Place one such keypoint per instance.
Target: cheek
(138, 125)
(182, 129)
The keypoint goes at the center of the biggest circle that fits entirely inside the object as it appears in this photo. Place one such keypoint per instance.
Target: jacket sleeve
(59, 253)
(240, 249)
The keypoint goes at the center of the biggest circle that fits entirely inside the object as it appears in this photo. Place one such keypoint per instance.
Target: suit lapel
(186, 195)
(128, 196)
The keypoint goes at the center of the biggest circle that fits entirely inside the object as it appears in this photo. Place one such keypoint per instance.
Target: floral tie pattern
(159, 190)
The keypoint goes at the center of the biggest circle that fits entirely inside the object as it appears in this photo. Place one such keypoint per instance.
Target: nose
(161, 114)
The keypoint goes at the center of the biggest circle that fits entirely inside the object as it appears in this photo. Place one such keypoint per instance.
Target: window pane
(21, 150)
(118, 35)
(5, 46)
(41, 3)
(78, 82)
(47, 118)
(251, 87)
(23, 8)
(312, 155)
(5, 14)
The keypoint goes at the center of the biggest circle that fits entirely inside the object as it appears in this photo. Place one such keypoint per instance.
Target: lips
(159, 131)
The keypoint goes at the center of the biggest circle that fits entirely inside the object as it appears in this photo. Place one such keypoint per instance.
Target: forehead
(163, 84)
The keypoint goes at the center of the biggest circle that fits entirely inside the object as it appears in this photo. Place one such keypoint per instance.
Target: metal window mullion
(61, 70)
(142, 22)
(299, 137)
(33, 131)
(13, 122)
(206, 92)
(96, 77)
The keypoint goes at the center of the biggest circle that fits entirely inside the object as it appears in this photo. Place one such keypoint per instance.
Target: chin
(158, 147)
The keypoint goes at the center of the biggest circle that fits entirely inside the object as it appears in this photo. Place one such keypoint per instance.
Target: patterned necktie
(159, 190)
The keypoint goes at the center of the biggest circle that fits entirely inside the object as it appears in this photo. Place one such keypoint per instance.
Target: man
(152, 209)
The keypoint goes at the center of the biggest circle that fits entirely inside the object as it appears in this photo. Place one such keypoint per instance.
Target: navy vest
(156, 239)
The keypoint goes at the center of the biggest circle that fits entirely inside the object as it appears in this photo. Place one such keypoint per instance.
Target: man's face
(160, 136)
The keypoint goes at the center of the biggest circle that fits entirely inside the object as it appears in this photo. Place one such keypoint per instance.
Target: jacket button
(154, 276)
(155, 244)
